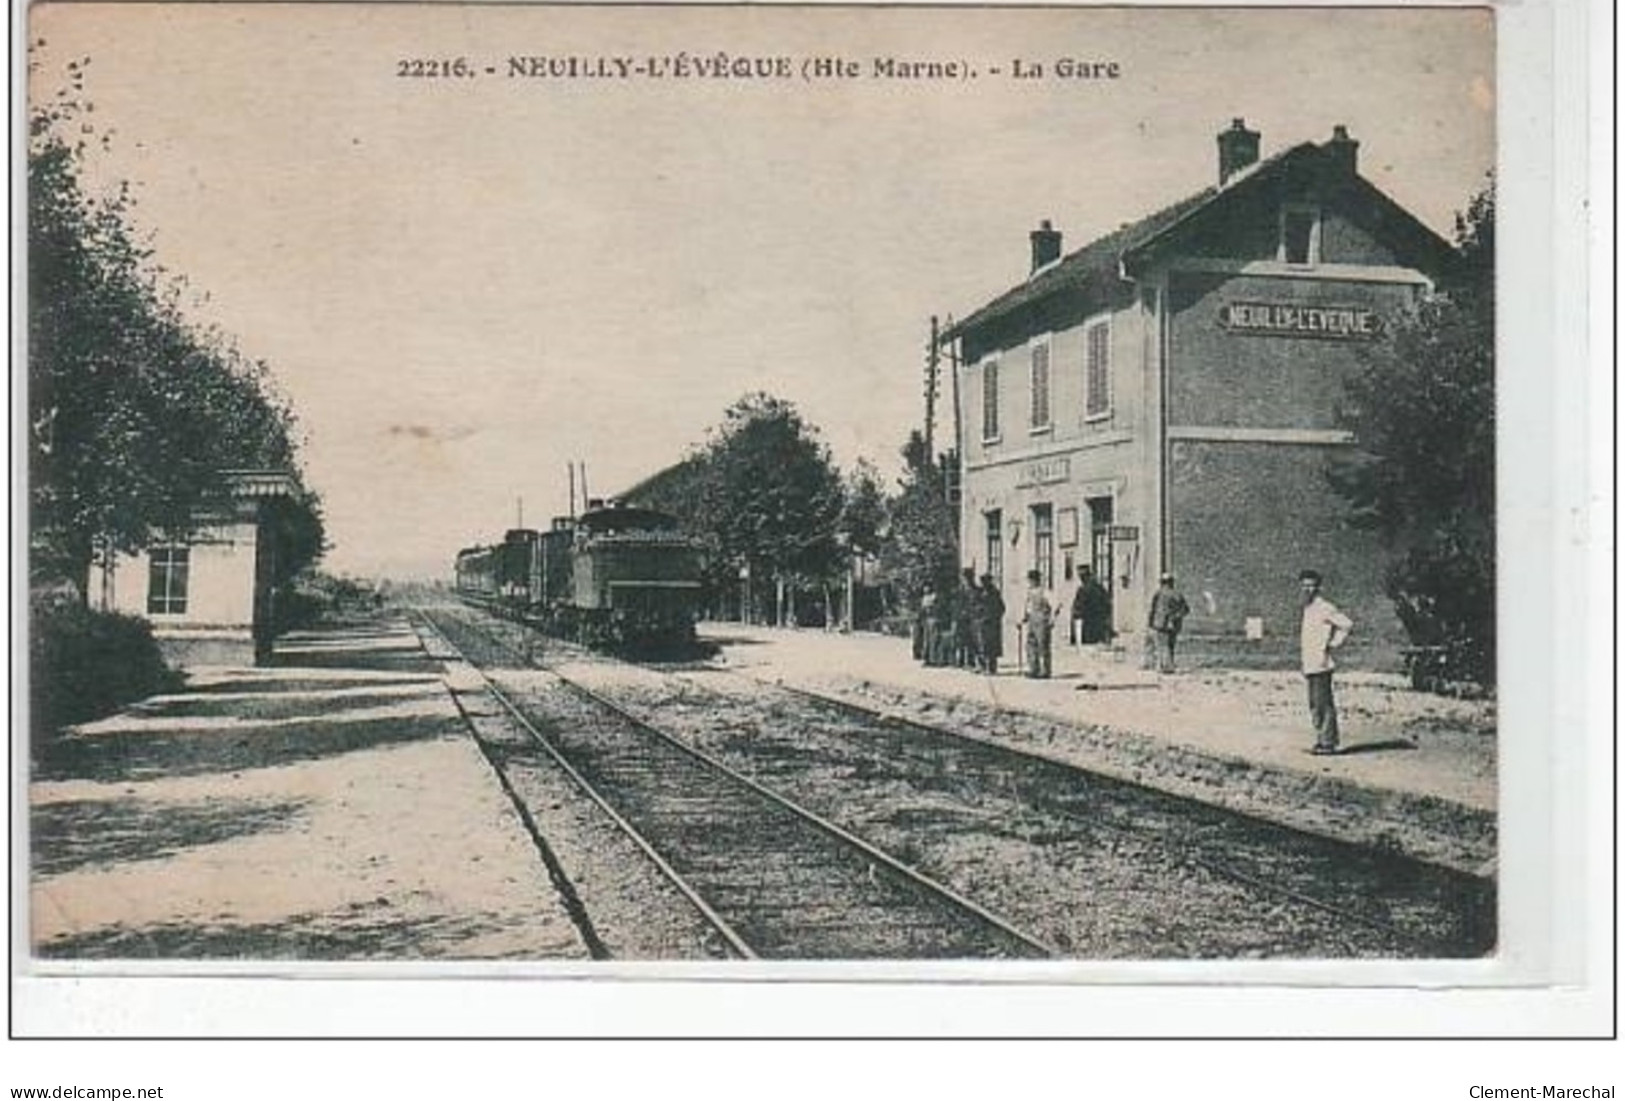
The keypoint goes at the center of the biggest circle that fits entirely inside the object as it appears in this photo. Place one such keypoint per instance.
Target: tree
(863, 513)
(135, 412)
(863, 533)
(922, 547)
(773, 498)
(1422, 409)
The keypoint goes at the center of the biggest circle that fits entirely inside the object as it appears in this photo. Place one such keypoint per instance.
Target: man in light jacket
(1324, 629)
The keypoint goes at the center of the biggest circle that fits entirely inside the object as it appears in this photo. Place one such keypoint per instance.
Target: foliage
(135, 412)
(773, 497)
(763, 495)
(922, 546)
(315, 597)
(86, 663)
(1422, 407)
(863, 512)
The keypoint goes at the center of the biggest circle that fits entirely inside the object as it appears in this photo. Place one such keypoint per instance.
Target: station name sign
(1295, 319)
(1045, 472)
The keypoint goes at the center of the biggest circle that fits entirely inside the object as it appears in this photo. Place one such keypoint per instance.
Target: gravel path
(316, 812)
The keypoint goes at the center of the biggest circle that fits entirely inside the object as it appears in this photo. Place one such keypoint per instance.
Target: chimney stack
(1046, 241)
(1238, 148)
(1345, 151)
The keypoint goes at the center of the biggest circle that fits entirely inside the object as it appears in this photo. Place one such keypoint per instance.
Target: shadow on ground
(272, 706)
(1351, 748)
(79, 832)
(358, 931)
(376, 659)
(148, 753)
(271, 684)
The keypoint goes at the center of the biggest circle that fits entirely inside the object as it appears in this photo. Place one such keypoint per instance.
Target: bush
(315, 597)
(83, 664)
(1445, 597)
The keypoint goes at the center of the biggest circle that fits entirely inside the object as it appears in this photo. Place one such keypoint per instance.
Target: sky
(463, 284)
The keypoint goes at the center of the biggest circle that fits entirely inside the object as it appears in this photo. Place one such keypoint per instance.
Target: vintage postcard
(798, 492)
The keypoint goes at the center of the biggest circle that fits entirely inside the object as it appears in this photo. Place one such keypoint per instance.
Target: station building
(1165, 398)
(210, 597)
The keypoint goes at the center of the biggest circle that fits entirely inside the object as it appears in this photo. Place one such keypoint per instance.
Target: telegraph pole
(954, 473)
(932, 382)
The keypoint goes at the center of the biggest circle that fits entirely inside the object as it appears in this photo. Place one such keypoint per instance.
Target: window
(1097, 370)
(1300, 235)
(990, 400)
(166, 581)
(995, 546)
(1044, 545)
(1040, 405)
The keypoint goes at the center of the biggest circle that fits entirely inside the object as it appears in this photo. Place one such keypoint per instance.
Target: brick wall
(1222, 378)
(1247, 517)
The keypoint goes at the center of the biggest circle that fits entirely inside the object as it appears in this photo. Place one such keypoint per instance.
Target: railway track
(1288, 893)
(774, 879)
(1206, 838)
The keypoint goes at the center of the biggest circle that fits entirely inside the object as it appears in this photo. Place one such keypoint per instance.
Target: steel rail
(914, 876)
(919, 879)
(1178, 848)
(716, 920)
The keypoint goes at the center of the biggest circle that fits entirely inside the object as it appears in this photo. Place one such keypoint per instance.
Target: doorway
(1100, 548)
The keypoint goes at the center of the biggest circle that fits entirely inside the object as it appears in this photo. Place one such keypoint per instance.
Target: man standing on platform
(1325, 628)
(1168, 611)
(1039, 618)
(992, 632)
(1092, 609)
(968, 622)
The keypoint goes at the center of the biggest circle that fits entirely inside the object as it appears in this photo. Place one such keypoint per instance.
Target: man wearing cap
(992, 626)
(1038, 618)
(1324, 629)
(1168, 611)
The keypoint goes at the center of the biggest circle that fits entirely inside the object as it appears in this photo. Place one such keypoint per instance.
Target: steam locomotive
(613, 578)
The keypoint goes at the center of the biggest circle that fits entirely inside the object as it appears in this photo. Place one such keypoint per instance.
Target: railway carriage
(615, 577)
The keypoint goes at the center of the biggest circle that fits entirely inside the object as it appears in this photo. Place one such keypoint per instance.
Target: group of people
(961, 625)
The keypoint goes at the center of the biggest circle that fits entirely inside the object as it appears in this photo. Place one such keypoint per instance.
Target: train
(615, 577)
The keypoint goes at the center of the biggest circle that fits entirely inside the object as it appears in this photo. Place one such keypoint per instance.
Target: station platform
(1417, 771)
(331, 806)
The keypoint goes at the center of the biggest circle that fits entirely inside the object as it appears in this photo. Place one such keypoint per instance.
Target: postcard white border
(1553, 978)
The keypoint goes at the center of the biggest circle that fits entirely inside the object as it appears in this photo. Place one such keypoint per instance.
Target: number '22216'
(445, 66)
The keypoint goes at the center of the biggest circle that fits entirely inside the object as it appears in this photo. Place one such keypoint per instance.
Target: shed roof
(261, 483)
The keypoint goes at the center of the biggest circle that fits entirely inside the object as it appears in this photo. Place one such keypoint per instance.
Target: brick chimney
(1238, 148)
(1344, 150)
(1046, 241)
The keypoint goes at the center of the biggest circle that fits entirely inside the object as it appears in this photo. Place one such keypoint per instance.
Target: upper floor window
(1097, 369)
(1300, 235)
(1040, 402)
(990, 400)
(167, 580)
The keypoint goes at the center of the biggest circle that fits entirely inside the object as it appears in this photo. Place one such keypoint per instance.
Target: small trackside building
(1165, 398)
(211, 595)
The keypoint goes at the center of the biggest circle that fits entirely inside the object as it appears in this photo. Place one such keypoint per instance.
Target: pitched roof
(1104, 257)
(1098, 257)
